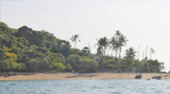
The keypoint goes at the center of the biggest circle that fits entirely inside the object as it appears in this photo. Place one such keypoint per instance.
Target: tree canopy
(28, 50)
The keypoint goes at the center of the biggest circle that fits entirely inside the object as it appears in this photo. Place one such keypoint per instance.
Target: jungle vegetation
(28, 50)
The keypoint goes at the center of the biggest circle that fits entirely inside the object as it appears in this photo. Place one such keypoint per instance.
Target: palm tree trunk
(112, 53)
(75, 44)
(103, 52)
(120, 50)
(116, 54)
(146, 51)
(150, 55)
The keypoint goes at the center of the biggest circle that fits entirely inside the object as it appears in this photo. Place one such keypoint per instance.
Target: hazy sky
(143, 22)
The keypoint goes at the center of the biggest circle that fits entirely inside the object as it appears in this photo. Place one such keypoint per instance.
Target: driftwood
(157, 77)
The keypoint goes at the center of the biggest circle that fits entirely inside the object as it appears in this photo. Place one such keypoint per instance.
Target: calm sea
(86, 87)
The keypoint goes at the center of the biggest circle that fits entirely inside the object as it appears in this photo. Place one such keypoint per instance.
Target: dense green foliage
(28, 50)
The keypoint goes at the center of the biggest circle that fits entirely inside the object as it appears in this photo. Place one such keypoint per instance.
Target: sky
(145, 23)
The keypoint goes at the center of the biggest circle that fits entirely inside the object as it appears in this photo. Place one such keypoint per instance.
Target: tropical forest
(28, 50)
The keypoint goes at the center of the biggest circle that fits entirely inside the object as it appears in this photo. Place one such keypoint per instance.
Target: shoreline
(79, 76)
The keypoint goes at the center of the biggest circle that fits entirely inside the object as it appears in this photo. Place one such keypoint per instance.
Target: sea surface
(128, 86)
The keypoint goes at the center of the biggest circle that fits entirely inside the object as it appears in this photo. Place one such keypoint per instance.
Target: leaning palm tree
(75, 39)
(152, 51)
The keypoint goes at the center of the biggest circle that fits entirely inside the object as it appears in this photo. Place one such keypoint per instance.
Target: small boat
(138, 76)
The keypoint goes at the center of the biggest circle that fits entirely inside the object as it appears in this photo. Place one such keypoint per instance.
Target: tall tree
(120, 42)
(130, 53)
(102, 45)
(75, 39)
(152, 51)
(112, 45)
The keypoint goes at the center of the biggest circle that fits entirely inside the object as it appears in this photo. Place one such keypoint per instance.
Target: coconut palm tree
(118, 34)
(75, 39)
(152, 51)
(120, 42)
(130, 53)
(99, 51)
(113, 45)
(102, 45)
(116, 43)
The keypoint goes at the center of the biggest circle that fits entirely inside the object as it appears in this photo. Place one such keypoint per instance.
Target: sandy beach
(74, 76)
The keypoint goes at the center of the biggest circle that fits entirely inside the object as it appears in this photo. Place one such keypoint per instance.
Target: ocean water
(128, 86)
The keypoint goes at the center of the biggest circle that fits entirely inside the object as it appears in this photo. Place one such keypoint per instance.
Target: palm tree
(99, 51)
(116, 43)
(75, 39)
(120, 41)
(102, 45)
(130, 53)
(113, 45)
(152, 51)
(146, 52)
(117, 35)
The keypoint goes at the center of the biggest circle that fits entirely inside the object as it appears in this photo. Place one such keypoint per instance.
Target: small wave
(12, 84)
(115, 93)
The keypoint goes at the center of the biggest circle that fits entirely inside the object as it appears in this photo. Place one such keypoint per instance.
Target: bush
(87, 65)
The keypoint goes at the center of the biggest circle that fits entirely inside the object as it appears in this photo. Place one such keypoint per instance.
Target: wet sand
(74, 76)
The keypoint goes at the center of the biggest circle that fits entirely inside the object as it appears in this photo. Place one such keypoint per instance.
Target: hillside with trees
(28, 50)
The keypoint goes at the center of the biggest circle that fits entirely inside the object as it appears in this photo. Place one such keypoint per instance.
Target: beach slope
(74, 76)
